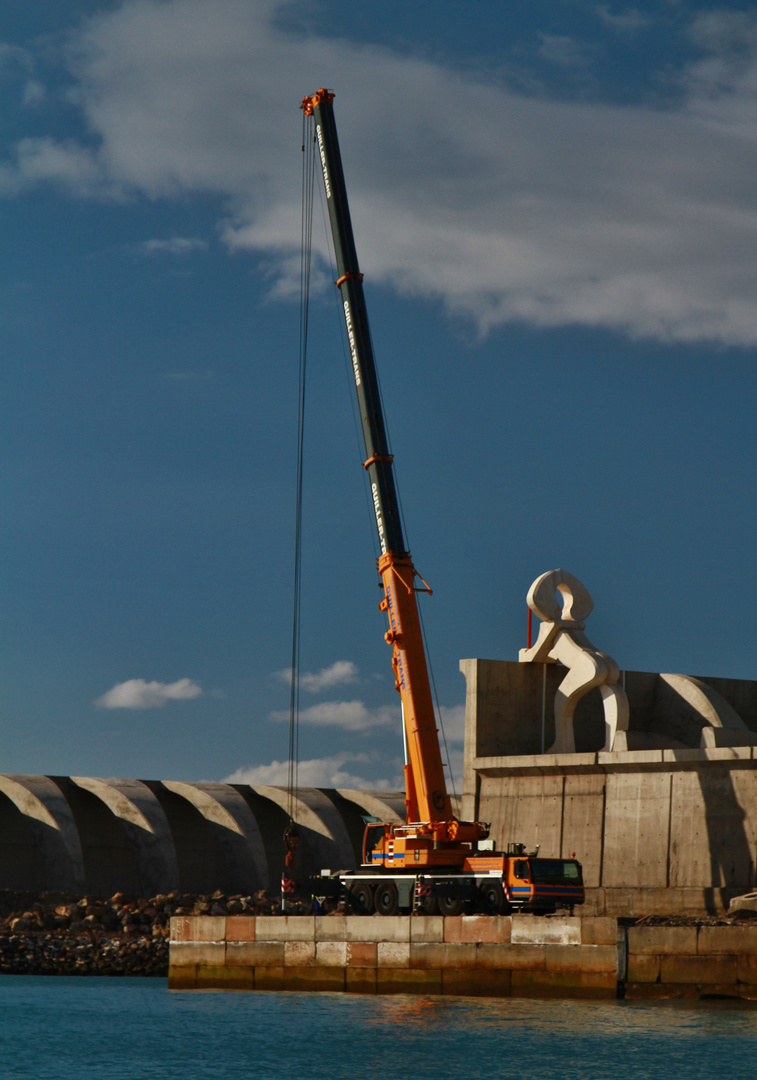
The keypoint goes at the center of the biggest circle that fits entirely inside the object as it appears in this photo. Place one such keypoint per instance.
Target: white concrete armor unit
(562, 639)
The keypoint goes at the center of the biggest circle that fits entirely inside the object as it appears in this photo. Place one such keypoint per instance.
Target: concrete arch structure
(145, 828)
(230, 828)
(82, 835)
(44, 818)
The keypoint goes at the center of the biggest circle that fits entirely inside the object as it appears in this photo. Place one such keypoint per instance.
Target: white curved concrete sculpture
(562, 639)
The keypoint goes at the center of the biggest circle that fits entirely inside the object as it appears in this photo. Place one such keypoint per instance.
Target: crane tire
(450, 905)
(361, 898)
(493, 899)
(387, 899)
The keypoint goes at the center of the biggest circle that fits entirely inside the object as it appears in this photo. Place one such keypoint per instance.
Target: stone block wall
(692, 962)
(495, 956)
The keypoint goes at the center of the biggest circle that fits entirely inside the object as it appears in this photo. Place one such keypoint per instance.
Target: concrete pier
(481, 955)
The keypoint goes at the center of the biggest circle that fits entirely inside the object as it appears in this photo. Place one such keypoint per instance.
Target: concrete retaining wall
(465, 955)
(481, 955)
(658, 831)
(692, 962)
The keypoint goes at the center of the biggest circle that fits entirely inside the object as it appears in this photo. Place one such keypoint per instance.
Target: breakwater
(60, 934)
(495, 956)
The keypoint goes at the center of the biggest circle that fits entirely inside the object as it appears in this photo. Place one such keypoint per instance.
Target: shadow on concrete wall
(731, 861)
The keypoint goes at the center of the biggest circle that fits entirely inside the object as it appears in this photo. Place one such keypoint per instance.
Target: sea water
(134, 1029)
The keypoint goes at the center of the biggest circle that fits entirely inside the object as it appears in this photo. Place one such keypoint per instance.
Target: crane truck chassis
(433, 862)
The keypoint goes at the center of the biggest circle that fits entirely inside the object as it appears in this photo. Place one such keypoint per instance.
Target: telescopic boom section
(427, 801)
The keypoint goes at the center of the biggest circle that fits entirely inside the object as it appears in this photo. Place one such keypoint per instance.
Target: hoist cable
(306, 233)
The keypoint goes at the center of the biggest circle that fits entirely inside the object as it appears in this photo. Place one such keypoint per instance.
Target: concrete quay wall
(481, 955)
(491, 956)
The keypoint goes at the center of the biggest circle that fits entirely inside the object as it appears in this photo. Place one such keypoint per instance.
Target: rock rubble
(57, 934)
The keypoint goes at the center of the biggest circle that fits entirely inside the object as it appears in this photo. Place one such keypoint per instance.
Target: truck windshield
(556, 872)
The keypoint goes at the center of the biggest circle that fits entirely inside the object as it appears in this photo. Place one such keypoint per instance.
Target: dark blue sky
(555, 212)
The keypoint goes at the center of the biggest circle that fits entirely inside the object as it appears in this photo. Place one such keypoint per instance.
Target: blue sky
(555, 210)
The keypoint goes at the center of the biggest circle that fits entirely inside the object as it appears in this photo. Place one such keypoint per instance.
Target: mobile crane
(432, 862)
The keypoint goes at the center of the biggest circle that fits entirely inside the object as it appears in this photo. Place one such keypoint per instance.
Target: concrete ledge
(477, 955)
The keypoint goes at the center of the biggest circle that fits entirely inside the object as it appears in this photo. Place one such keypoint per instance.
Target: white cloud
(505, 206)
(174, 245)
(564, 51)
(317, 772)
(453, 720)
(348, 715)
(139, 694)
(338, 674)
(627, 21)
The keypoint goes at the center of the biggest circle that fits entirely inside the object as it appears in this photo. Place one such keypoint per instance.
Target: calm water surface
(130, 1029)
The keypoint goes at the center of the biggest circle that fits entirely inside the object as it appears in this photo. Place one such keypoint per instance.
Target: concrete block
(206, 927)
(393, 954)
(362, 954)
(331, 953)
(298, 953)
(360, 980)
(269, 978)
(391, 980)
(255, 953)
(313, 978)
(197, 952)
(333, 927)
(727, 939)
(240, 927)
(698, 969)
(427, 928)
(180, 928)
(224, 978)
(535, 930)
(285, 928)
(491, 929)
(582, 958)
(511, 957)
(430, 954)
(662, 940)
(377, 927)
(599, 931)
(643, 968)
(182, 976)
(480, 983)
(590, 984)
(746, 968)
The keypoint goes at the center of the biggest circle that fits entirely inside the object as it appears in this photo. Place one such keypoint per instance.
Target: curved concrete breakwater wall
(483, 955)
(83, 835)
(664, 822)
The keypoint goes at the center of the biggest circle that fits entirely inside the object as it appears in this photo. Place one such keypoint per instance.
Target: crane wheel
(361, 898)
(387, 899)
(493, 899)
(450, 905)
(430, 905)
